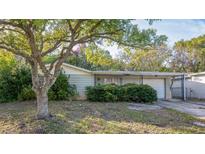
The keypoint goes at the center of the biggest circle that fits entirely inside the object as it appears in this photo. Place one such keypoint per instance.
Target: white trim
(78, 68)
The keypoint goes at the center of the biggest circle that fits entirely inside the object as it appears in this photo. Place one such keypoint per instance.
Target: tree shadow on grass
(85, 117)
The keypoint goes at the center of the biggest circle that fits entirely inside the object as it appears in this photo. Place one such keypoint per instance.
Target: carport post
(183, 87)
(142, 79)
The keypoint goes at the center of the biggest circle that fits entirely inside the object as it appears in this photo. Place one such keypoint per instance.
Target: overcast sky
(175, 29)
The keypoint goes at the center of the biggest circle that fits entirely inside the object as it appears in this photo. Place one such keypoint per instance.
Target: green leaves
(7, 60)
(98, 57)
(189, 56)
(13, 81)
(125, 93)
(43, 35)
(62, 90)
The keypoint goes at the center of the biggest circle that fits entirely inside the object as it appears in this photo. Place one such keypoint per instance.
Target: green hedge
(115, 93)
(103, 93)
(62, 90)
(27, 94)
(12, 82)
(16, 84)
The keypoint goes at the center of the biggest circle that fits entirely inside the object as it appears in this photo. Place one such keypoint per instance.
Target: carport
(178, 89)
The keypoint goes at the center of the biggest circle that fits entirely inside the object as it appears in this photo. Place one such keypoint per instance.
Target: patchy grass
(86, 117)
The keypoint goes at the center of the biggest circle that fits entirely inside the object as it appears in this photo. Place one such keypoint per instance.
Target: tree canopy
(35, 39)
(189, 56)
(7, 60)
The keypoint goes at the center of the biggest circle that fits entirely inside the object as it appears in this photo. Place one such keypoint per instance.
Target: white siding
(195, 89)
(103, 79)
(118, 79)
(158, 85)
(130, 79)
(80, 78)
(81, 81)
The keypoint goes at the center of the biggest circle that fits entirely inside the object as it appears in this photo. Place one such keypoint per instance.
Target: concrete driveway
(192, 108)
(196, 109)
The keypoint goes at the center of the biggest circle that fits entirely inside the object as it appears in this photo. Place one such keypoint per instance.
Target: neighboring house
(160, 81)
(195, 86)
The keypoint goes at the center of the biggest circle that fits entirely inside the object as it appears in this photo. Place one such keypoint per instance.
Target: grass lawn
(85, 117)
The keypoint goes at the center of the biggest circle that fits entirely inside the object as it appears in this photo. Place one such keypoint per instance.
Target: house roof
(125, 72)
(138, 73)
(77, 68)
(197, 74)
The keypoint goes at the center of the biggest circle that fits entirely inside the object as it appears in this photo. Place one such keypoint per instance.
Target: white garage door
(157, 84)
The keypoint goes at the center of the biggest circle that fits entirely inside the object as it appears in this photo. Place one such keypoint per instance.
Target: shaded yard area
(86, 117)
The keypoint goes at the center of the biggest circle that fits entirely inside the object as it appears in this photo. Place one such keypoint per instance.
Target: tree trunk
(42, 104)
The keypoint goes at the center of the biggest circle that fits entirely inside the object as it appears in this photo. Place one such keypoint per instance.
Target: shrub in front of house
(116, 93)
(139, 93)
(102, 93)
(16, 84)
(13, 81)
(62, 90)
(27, 94)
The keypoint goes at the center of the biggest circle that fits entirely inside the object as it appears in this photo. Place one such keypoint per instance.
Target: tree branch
(56, 45)
(62, 58)
(96, 25)
(123, 43)
(4, 22)
(95, 36)
(13, 30)
(14, 51)
(78, 24)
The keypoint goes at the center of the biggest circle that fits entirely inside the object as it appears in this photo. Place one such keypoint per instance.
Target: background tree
(189, 56)
(91, 58)
(99, 59)
(7, 60)
(35, 39)
(147, 59)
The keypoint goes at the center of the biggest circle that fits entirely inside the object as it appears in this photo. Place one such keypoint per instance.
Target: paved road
(191, 108)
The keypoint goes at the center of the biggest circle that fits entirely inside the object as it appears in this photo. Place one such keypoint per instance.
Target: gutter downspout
(94, 80)
(141, 79)
(183, 87)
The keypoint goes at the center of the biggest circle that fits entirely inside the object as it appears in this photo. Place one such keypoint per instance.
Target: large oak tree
(35, 39)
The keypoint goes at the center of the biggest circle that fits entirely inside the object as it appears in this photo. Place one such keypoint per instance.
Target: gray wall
(194, 89)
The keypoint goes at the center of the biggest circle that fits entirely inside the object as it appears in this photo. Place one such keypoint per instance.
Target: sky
(174, 29)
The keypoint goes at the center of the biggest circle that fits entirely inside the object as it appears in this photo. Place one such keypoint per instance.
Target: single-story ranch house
(160, 81)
